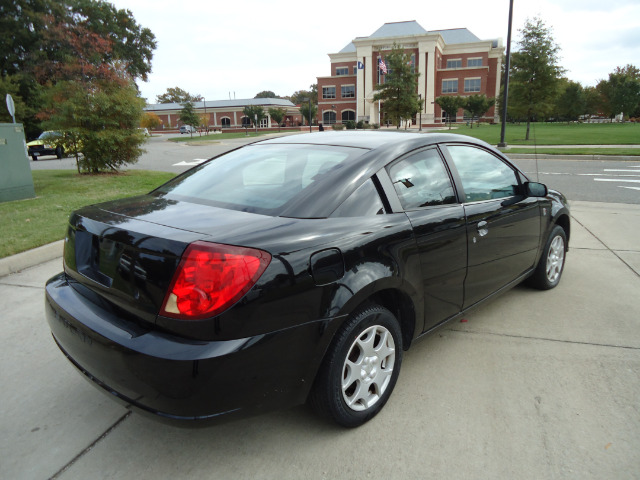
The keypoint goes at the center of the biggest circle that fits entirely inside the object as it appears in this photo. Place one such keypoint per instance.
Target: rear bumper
(177, 379)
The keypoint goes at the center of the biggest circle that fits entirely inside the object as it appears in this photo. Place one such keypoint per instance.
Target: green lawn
(627, 152)
(558, 133)
(216, 136)
(34, 222)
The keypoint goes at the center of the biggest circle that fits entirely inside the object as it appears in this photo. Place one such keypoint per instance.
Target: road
(590, 180)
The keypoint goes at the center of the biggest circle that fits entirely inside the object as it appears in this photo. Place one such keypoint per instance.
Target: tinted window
(363, 202)
(483, 175)
(422, 180)
(259, 178)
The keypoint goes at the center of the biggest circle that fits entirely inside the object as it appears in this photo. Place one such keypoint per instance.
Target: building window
(246, 122)
(450, 86)
(355, 70)
(457, 63)
(348, 91)
(328, 92)
(329, 118)
(264, 123)
(342, 71)
(348, 115)
(225, 122)
(471, 84)
(413, 63)
(474, 62)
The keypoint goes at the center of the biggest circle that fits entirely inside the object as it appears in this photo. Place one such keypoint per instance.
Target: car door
(503, 226)
(426, 193)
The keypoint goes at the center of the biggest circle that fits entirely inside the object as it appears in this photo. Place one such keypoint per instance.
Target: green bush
(360, 124)
(350, 124)
(376, 126)
(337, 126)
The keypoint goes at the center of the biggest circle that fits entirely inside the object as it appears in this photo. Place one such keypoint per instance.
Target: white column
(369, 65)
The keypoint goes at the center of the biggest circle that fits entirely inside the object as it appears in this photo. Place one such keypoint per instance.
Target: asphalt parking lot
(533, 385)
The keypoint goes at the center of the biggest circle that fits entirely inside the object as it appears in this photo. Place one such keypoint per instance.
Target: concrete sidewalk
(533, 385)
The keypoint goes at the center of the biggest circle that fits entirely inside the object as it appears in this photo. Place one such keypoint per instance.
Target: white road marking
(615, 180)
(630, 188)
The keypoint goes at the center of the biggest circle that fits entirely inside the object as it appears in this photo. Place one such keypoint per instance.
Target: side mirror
(534, 189)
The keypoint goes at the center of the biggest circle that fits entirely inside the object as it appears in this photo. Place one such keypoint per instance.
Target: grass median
(557, 133)
(30, 223)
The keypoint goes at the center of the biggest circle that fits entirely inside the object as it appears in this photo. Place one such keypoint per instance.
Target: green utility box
(16, 181)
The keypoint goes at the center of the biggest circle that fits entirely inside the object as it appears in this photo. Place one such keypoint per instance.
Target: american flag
(382, 66)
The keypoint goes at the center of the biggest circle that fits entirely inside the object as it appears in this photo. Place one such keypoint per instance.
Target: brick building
(226, 113)
(450, 62)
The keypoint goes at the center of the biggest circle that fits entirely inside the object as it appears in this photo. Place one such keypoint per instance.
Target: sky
(235, 49)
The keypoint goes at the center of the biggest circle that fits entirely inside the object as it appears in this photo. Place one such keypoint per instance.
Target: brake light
(210, 278)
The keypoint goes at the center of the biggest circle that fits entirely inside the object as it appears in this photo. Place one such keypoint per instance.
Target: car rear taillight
(210, 278)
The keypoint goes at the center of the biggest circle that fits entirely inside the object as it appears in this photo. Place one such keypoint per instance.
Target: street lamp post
(420, 121)
(506, 80)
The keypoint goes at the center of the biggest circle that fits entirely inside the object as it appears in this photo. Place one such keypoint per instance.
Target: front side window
(422, 180)
(342, 71)
(471, 84)
(450, 86)
(474, 62)
(348, 91)
(456, 63)
(483, 175)
(328, 92)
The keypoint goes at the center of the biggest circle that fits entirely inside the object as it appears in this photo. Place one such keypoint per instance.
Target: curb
(30, 258)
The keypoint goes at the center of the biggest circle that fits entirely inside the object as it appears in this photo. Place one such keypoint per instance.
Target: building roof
(267, 102)
(402, 29)
(398, 29)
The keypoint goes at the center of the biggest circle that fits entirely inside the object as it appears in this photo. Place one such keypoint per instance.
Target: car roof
(370, 139)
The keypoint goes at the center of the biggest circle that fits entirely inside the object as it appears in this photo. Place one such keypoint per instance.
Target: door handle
(483, 228)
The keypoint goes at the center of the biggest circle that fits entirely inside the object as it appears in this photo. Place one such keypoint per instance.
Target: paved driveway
(534, 385)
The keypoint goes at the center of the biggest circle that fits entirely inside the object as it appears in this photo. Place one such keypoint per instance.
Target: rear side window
(260, 178)
(364, 202)
(483, 175)
(422, 180)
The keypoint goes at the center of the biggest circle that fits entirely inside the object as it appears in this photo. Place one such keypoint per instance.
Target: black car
(296, 269)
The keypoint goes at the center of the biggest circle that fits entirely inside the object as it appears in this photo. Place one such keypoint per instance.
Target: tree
(621, 92)
(177, 95)
(150, 120)
(188, 116)
(278, 115)
(571, 103)
(255, 113)
(301, 96)
(266, 94)
(450, 104)
(534, 72)
(308, 112)
(43, 42)
(101, 119)
(41, 35)
(477, 105)
(399, 90)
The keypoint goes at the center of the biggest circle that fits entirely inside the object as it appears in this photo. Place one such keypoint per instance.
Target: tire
(59, 153)
(34, 158)
(366, 352)
(551, 265)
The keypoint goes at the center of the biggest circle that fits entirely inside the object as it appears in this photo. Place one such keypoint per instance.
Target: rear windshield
(260, 178)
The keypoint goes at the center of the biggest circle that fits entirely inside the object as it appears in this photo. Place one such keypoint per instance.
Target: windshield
(260, 178)
(48, 135)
